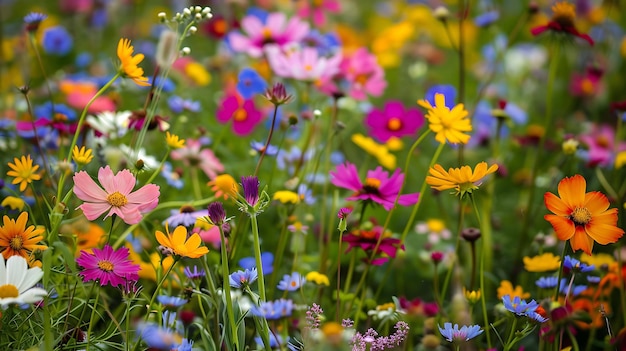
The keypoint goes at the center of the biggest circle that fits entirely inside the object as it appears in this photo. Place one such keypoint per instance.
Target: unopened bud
(570, 146)
(185, 51)
(470, 234)
(441, 13)
(193, 30)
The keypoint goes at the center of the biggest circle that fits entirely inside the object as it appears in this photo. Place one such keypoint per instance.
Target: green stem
(158, 287)
(558, 281)
(257, 256)
(226, 282)
(510, 341)
(267, 142)
(92, 320)
(483, 301)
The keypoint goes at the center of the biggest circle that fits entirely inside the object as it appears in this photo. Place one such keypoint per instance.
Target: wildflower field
(312, 175)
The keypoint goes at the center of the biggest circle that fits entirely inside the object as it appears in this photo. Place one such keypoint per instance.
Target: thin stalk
(92, 320)
(267, 142)
(257, 256)
(226, 285)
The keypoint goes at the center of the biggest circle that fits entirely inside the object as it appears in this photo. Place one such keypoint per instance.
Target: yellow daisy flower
(13, 202)
(18, 240)
(380, 152)
(546, 262)
(286, 196)
(82, 156)
(318, 278)
(506, 288)
(23, 171)
(448, 125)
(173, 141)
(128, 62)
(463, 179)
(180, 244)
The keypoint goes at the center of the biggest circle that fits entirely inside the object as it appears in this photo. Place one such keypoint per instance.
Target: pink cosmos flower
(393, 121)
(588, 84)
(108, 266)
(276, 29)
(193, 155)
(317, 9)
(361, 73)
(378, 186)
(302, 63)
(116, 197)
(243, 113)
(600, 142)
(367, 240)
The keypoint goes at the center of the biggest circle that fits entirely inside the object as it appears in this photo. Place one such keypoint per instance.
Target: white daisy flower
(17, 281)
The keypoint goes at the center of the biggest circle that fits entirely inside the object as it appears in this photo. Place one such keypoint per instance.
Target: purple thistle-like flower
(314, 316)
(250, 186)
(108, 266)
(454, 334)
(241, 279)
(360, 341)
(277, 95)
(33, 19)
(217, 214)
(344, 212)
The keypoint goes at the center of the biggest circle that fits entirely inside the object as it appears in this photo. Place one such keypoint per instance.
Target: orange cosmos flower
(580, 217)
(128, 62)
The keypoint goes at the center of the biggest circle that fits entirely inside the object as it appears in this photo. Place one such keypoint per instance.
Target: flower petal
(581, 241)
(556, 205)
(572, 190)
(563, 227)
(604, 233)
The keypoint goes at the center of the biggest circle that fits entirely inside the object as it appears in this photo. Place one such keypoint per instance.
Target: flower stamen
(106, 266)
(8, 290)
(581, 216)
(117, 199)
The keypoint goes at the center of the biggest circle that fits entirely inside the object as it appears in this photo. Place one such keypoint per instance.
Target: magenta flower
(108, 266)
(275, 29)
(367, 240)
(243, 113)
(393, 121)
(301, 63)
(362, 75)
(193, 155)
(600, 142)
(587, 84)
(378, 186)
(317, 10)
(116, 197)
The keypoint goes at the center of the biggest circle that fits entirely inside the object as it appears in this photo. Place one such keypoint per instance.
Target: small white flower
(17, 281)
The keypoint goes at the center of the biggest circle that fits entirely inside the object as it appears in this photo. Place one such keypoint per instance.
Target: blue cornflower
(267, 261)
(291, 282)
(259, 146)
(177, 104)
(305, 194)
(518, 306)
(575, 289)
(448, 91)
(241, 279)
(172, 177)
(487, 18)
(576, 266)
(33, 19)
(171, 302)
(49, 111)
(454, 334)
(158, 337)
(485, 122)
(185, 345)
(250, 83)
(547, 282)
(57, 41)
(194, 273)
(275, 340)
(273, 309)
(536, 317)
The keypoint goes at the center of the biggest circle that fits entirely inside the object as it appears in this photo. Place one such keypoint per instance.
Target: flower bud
(570, 146)
(470, 234)
(185, 51)
(441, 13)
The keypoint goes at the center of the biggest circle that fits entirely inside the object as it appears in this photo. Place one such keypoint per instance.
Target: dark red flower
(563, 15)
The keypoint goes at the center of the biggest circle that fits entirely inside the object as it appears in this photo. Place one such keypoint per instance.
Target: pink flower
(107, 266)
(275, 29)
(378, 186)
(367, 240)
(600, 142)
(317, 8)
(393, 121)
(193, 156)
(587, 84)
(302, 63)
(361, 73)
(116, 197)
(243, 113)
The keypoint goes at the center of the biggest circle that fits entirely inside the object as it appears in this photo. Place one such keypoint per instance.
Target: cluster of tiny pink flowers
(313, 316)
(360, 341)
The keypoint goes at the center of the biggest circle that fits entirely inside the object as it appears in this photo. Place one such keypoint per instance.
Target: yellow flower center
(361, 78)
(308, 68)
(435, 225)
(586, 86)
(386, 306)
(8, 290)
(564, 14)
(117, 199)
(394, 124)
(240, 115)
(17, 243)
(318, 3)
(59, 117)
(372, 183)
(603, 141)
(267, 33)
(105, 265)
(581, 216)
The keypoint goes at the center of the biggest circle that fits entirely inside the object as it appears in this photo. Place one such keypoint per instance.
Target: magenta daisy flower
(108, 266)
(367, 240)
(116, 197)
(378, 186)
(243, 114)
(393, 121)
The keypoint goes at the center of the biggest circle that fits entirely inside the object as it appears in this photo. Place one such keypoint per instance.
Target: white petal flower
(17, 281)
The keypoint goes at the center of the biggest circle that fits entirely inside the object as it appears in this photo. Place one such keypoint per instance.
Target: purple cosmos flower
(243, 113)
(393, 121)
(454, 334)
(291, 282)
(250, 186)
(378, 186)
(518, 306)
(262, 28)
(273, 309)
(241, 279)
(250, 83)
(108, 266)
(194, 273)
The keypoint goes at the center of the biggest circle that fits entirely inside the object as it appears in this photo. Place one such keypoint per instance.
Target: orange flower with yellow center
(224, 185)
(128, 62)
(581, 217)
(18, 240)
